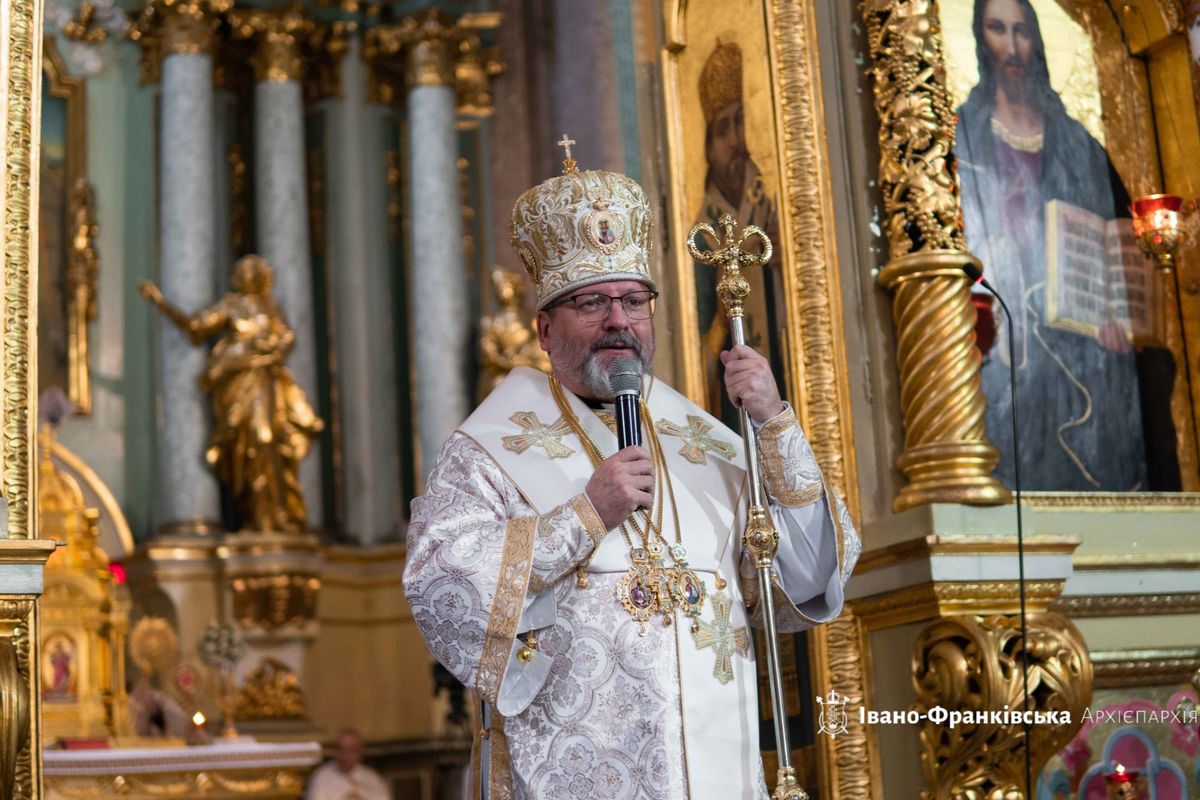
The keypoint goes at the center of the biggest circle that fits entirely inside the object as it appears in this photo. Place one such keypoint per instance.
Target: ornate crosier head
(582, 228)
(727, 253)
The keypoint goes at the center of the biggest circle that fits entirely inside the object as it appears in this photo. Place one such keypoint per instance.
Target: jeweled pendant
(636, 592)
(688, 590)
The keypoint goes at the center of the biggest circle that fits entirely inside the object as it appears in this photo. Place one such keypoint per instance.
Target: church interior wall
(891, 656)
(375, 667)
(591, 70)
(1137, 632)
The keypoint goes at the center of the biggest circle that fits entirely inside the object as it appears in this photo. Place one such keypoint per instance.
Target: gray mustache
(618, 339)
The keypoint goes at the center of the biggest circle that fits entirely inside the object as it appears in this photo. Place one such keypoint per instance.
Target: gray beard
(593, 375)
(595, 378)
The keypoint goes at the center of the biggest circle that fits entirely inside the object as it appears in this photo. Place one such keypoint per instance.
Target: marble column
(439, 303)
(281, 195)
(364, 334)
(187, 244)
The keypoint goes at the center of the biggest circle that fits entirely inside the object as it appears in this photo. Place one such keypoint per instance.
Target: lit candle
(199, 735)
(1122, 784)
(1157, 224)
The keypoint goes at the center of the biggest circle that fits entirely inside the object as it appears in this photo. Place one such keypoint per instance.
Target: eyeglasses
(594, 307)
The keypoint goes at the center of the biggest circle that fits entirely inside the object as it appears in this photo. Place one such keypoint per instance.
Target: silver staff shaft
(757, 511)
(728, 254)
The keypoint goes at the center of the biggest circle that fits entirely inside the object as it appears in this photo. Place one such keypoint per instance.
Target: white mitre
(581, 228)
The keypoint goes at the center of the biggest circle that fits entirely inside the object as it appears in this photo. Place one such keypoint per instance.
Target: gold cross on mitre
(568, 162)
(730, 255)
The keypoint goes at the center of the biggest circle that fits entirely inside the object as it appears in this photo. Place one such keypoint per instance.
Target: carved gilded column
(947, 457)
(437, 56)
(22, 555)
(21, 569)
(281, 191)
(972, 665)
(177, 38)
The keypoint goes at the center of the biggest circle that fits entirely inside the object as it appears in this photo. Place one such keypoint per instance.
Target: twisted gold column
(972, 665)
(946, 457)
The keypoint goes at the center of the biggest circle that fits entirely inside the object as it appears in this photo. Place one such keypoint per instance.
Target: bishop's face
(581, 352)
(1008, 34)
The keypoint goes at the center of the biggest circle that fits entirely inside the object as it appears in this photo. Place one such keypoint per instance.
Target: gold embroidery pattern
(591, 520)
(500, 769)
(477, 761)
(609, 419)
(537, 434)
(722, 637)
(515, 564)
(769, 437)
(841, 521)
(696, 441)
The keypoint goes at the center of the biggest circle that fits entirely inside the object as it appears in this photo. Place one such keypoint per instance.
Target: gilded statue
(262, 422)
(507, 340)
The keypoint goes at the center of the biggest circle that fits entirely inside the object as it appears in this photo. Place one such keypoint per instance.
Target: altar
(243, 768)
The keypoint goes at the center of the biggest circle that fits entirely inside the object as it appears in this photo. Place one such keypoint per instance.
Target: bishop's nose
(617, 319)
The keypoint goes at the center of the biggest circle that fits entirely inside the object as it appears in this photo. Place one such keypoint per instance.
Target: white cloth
(361, 783)
(598, 710)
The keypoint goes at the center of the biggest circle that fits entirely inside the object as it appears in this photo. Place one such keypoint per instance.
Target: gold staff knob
(787, 787)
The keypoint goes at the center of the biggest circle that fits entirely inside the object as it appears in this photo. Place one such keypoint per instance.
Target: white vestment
(360, 783)
(597, 710)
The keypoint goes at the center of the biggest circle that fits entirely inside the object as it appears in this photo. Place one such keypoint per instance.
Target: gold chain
(652, 521)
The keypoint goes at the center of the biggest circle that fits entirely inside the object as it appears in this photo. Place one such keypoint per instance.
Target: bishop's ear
(545, 321)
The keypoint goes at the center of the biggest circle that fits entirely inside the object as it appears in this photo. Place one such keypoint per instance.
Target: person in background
(345, 777)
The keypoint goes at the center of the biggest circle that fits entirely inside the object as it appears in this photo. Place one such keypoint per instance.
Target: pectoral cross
(568, 162)
(720, 634)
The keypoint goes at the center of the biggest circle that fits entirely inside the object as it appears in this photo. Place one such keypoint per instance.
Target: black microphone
(976, 276)
(625, 380)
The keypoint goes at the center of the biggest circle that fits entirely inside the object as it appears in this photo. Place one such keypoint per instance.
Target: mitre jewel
(582, 228)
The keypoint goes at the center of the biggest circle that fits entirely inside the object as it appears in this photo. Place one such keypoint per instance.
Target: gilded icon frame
(20, 680)
(816, 368)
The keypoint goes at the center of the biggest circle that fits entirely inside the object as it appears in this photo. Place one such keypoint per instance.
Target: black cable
(976, 275)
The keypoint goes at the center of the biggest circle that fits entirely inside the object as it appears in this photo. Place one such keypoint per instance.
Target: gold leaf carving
(271, 692)
(974, 663)
(16, 679)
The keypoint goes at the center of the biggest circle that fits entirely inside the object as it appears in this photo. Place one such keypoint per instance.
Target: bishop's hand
(750, 383)
(620, 484)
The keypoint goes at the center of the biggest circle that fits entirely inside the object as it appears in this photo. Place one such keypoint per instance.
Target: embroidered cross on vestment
(696, 441)
(537, 434)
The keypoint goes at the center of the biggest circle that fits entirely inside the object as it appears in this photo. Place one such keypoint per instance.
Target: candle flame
(198, 718)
